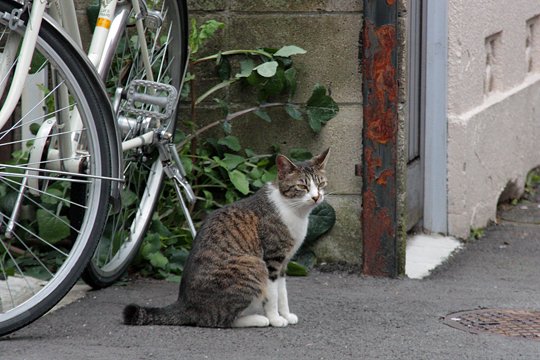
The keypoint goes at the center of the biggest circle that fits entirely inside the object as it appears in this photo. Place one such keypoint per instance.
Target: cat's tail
(168, 315)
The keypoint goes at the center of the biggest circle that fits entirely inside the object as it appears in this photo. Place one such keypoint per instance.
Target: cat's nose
(316, 197)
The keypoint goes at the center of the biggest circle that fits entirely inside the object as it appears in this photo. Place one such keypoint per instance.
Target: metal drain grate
(507, 322)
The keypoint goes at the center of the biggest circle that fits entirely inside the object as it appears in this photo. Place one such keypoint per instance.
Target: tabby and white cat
(236, 269)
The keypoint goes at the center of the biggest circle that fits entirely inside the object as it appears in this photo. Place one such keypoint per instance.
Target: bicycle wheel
(143, 173)
(51, 217)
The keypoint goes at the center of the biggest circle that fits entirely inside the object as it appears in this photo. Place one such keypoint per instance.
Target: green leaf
(34, 128)
(249, 153)
(173, 278)
(158, 260)
(290, 79)
(255, 173)
(227, 127)
(208, 29)
(51, 227)
(193, 37)
(267, 69)
(293, 111)
(230, 196)
(209, 198)
(255, 79)
(224, 105)
(52, 196)
(199, 36)
(231, 161)
(269, 176)
(273, 86)
(38, 60)
(231, 142)
(263, 162)
(300, 154)
(263, 115)
(305, 258)
(224, 68)
(321, 220)
(295, 269)
(320, 108)
(246, 68)
(187, 163)
(159, 228)
(179, 258)
(152, 244)
(289, 50)
(128, 197)
(239, 181)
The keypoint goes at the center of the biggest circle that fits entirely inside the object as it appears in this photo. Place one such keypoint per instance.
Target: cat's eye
(302, 187)
(322, 184)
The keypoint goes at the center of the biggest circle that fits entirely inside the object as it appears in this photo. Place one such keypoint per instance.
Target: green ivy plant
(220, 169)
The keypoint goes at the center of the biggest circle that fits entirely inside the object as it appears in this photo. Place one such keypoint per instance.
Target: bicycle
(75, 167)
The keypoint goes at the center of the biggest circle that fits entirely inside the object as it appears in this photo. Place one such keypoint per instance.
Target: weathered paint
(380, 90)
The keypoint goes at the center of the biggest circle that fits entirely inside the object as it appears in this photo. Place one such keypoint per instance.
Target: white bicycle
(85, 141)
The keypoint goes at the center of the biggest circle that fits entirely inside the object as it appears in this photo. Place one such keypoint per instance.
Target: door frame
(435, 152)
(427, 193)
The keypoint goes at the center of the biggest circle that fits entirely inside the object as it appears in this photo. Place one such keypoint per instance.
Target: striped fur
(238, 260)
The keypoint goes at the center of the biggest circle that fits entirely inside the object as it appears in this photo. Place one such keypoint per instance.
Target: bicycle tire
(143, 172)
(39, 232)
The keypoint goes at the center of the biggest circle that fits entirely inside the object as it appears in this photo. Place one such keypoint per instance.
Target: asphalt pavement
(341, 315)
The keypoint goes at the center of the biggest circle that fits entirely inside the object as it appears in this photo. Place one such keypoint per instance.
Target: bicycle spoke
(44, 208)
(8, 73)
(52, 161)
(30, 232)
(33, 255)
(42, 137)
(6, 249)
(164, 51)
(32, 109)
(38, 119)
(41, 177)
(7, 285)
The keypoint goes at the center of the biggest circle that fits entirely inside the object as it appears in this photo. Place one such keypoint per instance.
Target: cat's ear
(321, 159)
(284, 166)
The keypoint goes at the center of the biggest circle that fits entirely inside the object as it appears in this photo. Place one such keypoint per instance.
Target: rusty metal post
(380, 103)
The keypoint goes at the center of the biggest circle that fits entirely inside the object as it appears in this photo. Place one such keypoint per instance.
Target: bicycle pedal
(151, 99)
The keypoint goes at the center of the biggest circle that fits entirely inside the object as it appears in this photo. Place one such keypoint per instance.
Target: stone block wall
(329, 30)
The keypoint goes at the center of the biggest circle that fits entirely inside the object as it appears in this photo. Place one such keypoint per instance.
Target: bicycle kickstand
(172, 166)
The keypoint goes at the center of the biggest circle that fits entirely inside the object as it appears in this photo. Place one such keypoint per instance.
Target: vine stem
(233, 52)
(229, 117)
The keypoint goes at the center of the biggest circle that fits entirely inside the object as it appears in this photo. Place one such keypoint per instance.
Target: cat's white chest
(296, 221)
(296, 224)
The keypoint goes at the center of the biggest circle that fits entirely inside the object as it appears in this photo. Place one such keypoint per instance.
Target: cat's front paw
(292, 319)
(278, 321)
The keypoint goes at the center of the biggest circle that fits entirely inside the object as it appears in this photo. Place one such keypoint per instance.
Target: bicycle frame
(104, 40)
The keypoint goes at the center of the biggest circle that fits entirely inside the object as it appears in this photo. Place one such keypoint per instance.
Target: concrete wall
(329, 31)
(493, 96)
